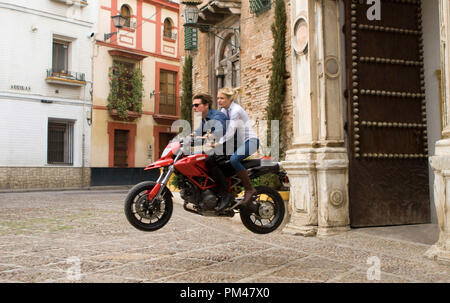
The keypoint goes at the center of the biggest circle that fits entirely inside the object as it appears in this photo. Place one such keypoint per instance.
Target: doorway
(121, 148)
(386, 109)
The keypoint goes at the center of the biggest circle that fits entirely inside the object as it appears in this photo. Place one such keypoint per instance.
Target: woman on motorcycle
(247, 141)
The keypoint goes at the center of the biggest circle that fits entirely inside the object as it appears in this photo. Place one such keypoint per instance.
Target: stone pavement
(83, 236)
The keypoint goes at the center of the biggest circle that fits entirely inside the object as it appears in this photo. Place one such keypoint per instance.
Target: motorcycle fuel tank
(192, 166)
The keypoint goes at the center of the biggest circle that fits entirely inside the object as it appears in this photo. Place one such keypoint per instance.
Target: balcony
(65, 77)
(81, 3)
(170, 36)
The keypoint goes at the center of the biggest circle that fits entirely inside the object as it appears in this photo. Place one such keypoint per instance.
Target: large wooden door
(121, 148)
(387, 136)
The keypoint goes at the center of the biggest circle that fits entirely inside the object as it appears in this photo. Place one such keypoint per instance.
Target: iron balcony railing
(63, 74)
(170, 35)
(82, 2)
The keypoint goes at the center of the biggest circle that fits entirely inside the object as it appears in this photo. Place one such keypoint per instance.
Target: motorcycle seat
(251, 163)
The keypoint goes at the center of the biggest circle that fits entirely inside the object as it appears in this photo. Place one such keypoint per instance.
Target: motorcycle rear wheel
(270, 213)
(147, 215)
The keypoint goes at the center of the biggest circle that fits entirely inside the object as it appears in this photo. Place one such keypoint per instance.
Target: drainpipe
(88, 119)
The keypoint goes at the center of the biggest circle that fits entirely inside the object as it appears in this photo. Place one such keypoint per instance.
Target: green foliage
(126, 90)
(270, 180)
(277, 90)
(186, 98)
(177, 181)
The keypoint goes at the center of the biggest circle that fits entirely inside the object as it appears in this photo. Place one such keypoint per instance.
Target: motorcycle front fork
(161, 183)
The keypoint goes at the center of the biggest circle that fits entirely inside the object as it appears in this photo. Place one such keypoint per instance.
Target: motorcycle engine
(190, 194)
(209, 200)
(205, 201)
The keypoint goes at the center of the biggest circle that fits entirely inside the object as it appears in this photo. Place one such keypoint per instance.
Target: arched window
(168, 29)
(125, 12)
(228, 64)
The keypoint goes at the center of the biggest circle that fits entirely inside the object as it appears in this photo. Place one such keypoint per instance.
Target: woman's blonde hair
(230, 92)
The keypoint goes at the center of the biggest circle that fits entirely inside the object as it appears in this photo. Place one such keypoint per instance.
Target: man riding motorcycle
(203, 103)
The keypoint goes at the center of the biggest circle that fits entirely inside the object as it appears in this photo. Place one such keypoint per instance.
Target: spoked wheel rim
(267, 213)
(147, 215)
(145, 211)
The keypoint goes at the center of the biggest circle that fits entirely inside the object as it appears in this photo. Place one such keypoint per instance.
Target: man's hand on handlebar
(205, 137)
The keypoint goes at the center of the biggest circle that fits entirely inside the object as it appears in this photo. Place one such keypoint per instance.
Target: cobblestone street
(45, 235)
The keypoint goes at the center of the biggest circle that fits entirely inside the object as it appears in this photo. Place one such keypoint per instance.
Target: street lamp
(191, 13)
(119, 22)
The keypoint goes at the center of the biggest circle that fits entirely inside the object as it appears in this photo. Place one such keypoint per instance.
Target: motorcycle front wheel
(147, 215)
(269, 214)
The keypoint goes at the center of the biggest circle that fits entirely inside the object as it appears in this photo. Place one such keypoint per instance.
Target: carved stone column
(440, 162)
(317, 164)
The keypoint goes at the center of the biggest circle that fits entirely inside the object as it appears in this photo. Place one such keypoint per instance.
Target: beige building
(366, 108)
(122, 146)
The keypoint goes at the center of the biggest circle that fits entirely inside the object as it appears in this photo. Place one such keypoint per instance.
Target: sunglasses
(196, 104)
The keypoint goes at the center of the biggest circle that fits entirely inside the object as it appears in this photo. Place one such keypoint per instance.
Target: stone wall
(256, 56)
(256, 43)
(44, 177)
(200, 65)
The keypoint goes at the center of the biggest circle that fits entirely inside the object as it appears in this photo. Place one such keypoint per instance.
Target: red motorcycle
(148, 205)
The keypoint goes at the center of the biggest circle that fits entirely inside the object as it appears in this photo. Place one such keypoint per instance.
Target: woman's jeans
(248, 148)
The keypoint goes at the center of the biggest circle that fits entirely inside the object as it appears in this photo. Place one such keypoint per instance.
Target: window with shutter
(167, 93)
(190, 38)
(258, 7)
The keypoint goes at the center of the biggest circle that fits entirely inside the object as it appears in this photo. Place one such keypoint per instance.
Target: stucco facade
(144, 45)
(35, 97)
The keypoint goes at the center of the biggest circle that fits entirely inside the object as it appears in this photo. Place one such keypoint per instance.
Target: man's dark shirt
(213, 115)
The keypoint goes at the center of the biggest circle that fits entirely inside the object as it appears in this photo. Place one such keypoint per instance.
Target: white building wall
(23, 130)
(28, 29)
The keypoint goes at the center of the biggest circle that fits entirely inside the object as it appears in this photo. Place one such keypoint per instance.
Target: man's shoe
(224, 201)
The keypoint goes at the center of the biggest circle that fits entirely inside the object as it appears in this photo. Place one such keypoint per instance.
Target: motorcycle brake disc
(266, 210)
(146, 209)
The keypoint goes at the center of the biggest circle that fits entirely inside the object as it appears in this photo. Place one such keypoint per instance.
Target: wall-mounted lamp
(190, 15)
(152, 94)
(191, 12)
(118, 22)
(89, 118)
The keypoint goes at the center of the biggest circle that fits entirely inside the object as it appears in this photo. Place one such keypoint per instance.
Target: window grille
(258, 7)
(60, 142)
